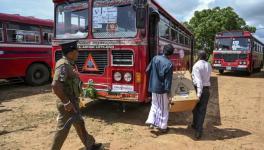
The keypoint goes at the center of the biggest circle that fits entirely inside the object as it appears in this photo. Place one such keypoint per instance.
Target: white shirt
(201, 75)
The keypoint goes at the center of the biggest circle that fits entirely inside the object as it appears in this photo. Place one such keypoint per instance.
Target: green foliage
(90, 91)
(206, 23)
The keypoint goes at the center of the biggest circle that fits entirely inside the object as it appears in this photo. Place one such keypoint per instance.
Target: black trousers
(199, 111)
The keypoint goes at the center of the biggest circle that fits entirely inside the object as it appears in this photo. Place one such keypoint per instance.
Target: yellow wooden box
(183, 93)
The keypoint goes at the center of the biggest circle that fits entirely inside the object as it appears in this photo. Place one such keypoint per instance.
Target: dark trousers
(199, 111)
(62, 130)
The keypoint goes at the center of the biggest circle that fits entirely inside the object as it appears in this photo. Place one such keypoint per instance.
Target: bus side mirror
(141, 13)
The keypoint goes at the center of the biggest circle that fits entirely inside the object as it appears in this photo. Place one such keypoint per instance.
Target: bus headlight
(244, 62)
(128, 77)
(117, 76)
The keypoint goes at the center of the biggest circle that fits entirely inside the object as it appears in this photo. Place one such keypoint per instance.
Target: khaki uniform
(66, 72)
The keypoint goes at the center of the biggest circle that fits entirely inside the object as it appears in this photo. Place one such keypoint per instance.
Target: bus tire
(261, 66)
(37, 74)
(250, 71)
(221, 71)
(258, 69)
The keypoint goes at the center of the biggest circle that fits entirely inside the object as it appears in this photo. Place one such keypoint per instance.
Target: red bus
(116, 41)
(237, 51)
(25, 48)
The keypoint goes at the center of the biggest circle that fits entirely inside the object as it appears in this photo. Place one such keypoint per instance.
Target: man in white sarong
(161, 72)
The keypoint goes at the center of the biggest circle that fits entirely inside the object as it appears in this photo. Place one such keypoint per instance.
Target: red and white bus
(25, 48)
(116, 41)
(237, 51)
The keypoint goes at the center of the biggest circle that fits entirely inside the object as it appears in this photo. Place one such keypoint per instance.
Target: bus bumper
(118, 96)
(237, 68)
(104, 92)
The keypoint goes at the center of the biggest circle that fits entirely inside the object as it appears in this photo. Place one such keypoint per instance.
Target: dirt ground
(234, 120)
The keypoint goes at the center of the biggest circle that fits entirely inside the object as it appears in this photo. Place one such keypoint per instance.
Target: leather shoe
(163, 131)
(198, 135)
(96, 146)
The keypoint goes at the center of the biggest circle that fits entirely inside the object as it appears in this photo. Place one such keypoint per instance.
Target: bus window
(72, 20)
(1, 32)
(164, 30)
(113, 19)
(186, 41)
(17, 33)
(174, 35)
(47, 36)
(181, 38)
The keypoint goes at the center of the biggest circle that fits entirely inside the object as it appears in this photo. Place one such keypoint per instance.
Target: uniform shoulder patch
(61, 73)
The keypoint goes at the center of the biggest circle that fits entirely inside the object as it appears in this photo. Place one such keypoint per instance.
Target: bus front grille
(230, 57)
(99, 57)
(122, 58)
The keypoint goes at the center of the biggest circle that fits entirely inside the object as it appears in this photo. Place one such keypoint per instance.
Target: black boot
(96, 146)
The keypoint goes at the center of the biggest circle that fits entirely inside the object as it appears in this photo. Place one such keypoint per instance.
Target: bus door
(153, 33)
(152, 37)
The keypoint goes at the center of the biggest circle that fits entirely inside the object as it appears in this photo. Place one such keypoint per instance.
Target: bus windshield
(72, 20)
(113, 18)
(236, 44)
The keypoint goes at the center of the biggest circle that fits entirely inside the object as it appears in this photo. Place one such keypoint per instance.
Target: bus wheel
(258, 69)
(221, 71)
(250, 71)
(37, 74)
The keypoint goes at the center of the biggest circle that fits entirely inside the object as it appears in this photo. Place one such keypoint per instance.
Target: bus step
(11, 81)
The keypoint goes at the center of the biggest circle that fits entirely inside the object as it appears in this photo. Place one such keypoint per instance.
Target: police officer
(67, 86)
(201, 79)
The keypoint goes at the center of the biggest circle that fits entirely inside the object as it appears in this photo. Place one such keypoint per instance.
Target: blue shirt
(160, 70)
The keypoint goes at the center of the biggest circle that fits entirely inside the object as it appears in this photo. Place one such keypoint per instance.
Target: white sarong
(159, 111)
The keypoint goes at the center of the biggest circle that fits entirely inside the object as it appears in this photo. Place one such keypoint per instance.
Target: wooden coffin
(184, 97)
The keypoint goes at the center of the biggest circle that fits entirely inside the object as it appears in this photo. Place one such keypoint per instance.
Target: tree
(206, 23)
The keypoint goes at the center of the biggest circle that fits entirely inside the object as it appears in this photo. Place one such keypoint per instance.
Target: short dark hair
(168, 49)
(202, 55)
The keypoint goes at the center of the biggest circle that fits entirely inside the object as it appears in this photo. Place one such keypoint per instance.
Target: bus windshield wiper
(124, 5)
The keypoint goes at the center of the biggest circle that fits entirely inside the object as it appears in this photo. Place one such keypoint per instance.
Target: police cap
(68, 47)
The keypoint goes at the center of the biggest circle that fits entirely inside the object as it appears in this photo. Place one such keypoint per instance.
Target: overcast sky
(251, 10)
